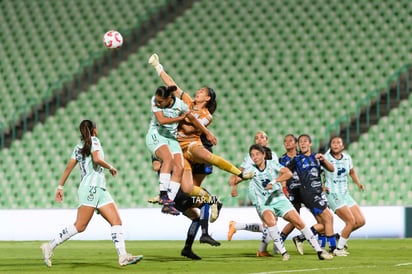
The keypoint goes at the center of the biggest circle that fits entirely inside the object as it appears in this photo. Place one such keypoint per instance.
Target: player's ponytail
(211, 104)
(86, 130)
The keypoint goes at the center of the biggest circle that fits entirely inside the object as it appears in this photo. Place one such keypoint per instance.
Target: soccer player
(167, 111)
(337, 192)
(262, 139)
(161, 140)
(200, 218)
(266, 194)
(202, 106)
(308, 165)
(93, 195)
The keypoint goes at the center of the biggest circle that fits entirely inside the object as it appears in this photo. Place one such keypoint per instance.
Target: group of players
(278, 187)
(303, 187)
(183, 160)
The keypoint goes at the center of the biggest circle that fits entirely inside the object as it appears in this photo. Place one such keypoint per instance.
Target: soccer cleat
(169, 209)
(285, 256)
(215, 211)
(340, 252)
(47, 254)
(263, 254)
(128, 259)
(154, 200)
(205, 238)
(232, 230)
(164, 200)
(298, 244)
(323, 255)
(247, 175)
(187, 252)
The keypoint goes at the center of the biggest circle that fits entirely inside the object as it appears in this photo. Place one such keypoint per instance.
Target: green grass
(366, 256)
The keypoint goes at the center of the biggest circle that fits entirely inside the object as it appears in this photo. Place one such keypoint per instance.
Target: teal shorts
(338, 200)
(279, 206)
(154, 140)
(94, 196)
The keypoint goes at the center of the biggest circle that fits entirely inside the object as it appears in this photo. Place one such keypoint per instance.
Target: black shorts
(183, 201)
(294, 196)
(203, 168)
(314, 200)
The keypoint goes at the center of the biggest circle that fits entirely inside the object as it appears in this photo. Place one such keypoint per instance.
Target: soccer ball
(112, 39)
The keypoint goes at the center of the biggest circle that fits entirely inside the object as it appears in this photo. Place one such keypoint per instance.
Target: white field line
(313, 269)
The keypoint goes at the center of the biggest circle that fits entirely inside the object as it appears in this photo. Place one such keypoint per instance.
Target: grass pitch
(366, 256)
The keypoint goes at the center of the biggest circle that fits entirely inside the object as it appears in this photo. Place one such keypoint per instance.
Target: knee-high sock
(277, 241)
(204, 218)
(224, 164)
(164, 181)
(252, 227)
(191, 233)
(342, 242)
(265, 240)
(311, 238)
(322, 240)
(66, 233)
(173, 189)
(118, 240)
(331, 242)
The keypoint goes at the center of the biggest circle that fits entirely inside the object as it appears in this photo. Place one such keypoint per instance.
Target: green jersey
(258, 194)
(167, 130)
(91, 173)
(337, 181)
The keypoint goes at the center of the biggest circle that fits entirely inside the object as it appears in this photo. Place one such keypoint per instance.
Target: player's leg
(84, 214)
(165, 155)
(345, 214)
(111, 214)
(201, 155)
(270, 219)
(294, 218)
(191, 234)
(359, 217)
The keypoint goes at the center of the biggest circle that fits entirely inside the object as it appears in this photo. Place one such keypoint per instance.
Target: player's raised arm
(166, 78)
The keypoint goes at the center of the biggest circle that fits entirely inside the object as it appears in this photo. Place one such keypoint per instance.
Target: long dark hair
(164, 91)
(211, 104)
(86, 130)
(263, 149)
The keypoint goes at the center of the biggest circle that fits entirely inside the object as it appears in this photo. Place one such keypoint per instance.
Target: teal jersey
(337, 181)
(167, 130)
(91, 174)
(258, 193)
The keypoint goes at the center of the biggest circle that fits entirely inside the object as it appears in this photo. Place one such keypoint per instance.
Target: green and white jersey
(167, 130)
(258, 194)
(91, 173)
(337, 181)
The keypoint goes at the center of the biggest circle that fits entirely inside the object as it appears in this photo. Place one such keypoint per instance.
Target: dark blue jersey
(308, 168)
(294, 182)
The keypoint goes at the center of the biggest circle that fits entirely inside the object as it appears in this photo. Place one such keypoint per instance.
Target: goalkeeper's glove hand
(154, 61)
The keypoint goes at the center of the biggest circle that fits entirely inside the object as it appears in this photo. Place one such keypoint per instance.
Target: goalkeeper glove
(154, 61)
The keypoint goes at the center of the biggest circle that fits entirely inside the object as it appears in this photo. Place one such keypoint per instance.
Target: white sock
(118, 240)
(253, 227)
(265, 240)
(63, 236)
(342, 242)
(173, 189)
(164, 181)
(311, 238)
(277, 240)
